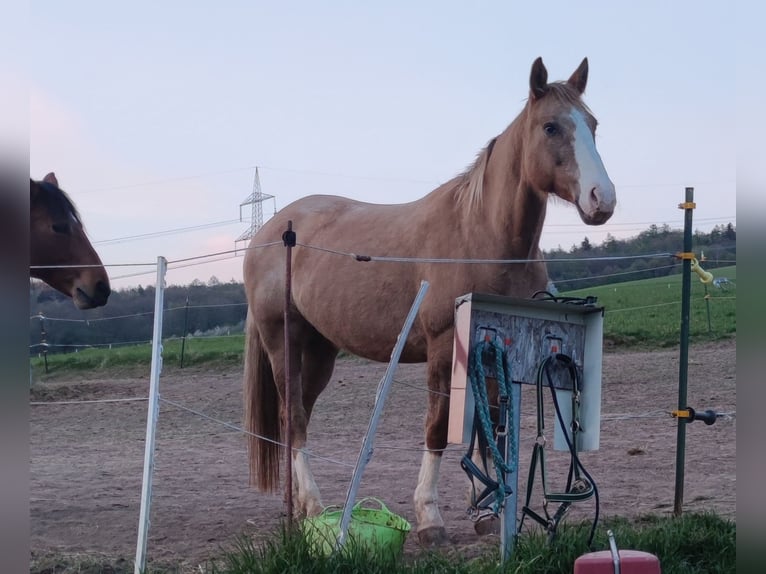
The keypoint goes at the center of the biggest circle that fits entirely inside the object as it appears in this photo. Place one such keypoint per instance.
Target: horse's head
(560, 156)
(57, 241)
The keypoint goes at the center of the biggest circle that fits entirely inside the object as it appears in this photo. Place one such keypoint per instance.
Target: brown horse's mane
(57, 202)
(469, 185)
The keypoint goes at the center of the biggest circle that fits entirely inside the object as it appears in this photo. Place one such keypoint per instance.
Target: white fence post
(151, 419)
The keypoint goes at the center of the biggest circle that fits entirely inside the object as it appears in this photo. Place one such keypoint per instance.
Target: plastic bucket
(374, 528)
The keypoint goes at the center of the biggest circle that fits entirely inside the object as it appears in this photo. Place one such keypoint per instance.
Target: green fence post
(683, 369)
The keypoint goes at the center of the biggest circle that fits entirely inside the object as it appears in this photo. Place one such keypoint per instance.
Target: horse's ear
(538, 80)
(579, 79)
(51, 178)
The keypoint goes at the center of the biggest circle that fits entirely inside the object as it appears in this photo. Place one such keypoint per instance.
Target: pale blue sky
(154, 114)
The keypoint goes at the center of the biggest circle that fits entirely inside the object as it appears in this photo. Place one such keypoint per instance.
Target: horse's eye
(61, 228)
(550, 129)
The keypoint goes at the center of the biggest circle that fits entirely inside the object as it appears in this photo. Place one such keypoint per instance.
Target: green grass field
(213, 352)
(639, 314)
(647, 313)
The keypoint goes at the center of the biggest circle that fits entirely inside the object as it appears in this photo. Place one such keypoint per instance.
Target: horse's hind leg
(306, 496)
(318, 360)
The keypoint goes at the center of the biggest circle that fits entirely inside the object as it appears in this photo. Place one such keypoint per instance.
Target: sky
(154, 115)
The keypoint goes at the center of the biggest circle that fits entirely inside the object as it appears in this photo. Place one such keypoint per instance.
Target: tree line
(196, 309)
(214, 308)
(719, 248)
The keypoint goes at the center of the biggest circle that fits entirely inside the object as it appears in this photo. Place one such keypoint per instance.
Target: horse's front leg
(431, 529)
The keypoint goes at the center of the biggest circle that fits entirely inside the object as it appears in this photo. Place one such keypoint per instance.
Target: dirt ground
(87, 458)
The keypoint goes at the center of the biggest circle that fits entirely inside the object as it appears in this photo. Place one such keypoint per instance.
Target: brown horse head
(561, 157)
(58, 244)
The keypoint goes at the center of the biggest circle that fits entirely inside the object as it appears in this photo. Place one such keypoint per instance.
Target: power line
(174, 231)
(165, 180)
(300, 171)
(590, 277)
(268, 168)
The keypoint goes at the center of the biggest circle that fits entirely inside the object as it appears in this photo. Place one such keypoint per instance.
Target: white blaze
(592, 171)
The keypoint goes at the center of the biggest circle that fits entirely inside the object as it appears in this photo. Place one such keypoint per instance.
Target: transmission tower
(255, 201)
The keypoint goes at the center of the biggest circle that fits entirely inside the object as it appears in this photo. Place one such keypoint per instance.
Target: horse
(492, 211)
(58, 245)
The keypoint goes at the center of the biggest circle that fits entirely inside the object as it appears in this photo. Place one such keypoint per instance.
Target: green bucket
(373, 528)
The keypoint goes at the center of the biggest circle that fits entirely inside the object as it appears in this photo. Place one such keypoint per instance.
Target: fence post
(43, 342)
(288, 237)
(683, 369)
(183, 340)
(151, 419)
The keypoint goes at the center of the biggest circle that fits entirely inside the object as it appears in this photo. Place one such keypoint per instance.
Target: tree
(610, 243)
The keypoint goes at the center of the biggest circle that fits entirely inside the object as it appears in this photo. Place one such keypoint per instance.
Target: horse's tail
(261, 413)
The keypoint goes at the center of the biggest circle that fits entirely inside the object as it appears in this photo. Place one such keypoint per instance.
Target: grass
(690, 544)
(647, 313)
(212, 352)
(697, 543)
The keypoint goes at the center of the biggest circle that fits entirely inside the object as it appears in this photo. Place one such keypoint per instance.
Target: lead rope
(483, 429)
(577, 487)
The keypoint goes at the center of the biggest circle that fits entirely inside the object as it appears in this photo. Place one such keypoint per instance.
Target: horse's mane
(566, 94)
(470, 184)
(57, 202)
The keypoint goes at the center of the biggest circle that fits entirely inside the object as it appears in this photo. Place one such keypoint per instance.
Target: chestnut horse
(494, 210)
(57, 242)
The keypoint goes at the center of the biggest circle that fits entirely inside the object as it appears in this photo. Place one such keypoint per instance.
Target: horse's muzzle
(98, 298)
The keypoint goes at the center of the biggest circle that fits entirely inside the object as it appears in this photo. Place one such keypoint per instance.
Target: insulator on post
(708, 417)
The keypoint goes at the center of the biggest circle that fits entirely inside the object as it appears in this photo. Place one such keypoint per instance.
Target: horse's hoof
(487, 525)
(313, 509)
(433, 536)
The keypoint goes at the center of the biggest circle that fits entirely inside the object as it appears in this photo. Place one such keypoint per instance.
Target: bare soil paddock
(86, 458)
